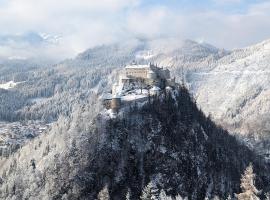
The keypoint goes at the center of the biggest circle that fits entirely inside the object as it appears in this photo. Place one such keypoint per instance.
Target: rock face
(170, 142)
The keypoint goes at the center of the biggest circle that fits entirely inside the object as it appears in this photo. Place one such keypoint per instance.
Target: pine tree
(179, 197)
(216, 198)
(267, 196)
(104, 194)
(128, 195)
(163, 195)
(249, 191)
(150, 192)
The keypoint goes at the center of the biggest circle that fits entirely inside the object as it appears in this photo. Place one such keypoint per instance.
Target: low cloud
(83, 24)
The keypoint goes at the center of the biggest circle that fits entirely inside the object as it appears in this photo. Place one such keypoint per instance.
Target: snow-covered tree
(162, 195)
(128, 195)
(229, 197)
(104, 194)
(150, 192)
(179, 197)
(267, 196)
(249, 191)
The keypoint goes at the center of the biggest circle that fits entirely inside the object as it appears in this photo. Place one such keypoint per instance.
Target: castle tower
(116, 103)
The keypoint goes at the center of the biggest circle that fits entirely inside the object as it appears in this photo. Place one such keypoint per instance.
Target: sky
(82, 24)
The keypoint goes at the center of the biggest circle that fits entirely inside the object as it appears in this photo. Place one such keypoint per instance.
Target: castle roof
(137, 66)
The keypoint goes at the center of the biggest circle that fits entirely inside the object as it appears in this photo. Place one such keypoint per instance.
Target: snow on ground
(137, 66)
(9, 85)
(134, 95)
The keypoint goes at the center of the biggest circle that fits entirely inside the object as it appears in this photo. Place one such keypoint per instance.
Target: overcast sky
(86, 23)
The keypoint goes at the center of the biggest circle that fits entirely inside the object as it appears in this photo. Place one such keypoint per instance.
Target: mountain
(31, 45)
(170, 142)
(232, 85)
(30, 38)
(167, 141)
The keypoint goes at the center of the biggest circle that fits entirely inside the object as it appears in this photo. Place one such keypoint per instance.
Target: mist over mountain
(32, 45)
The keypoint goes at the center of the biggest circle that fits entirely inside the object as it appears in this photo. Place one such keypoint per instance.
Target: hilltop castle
(145, 76)
(137, 82)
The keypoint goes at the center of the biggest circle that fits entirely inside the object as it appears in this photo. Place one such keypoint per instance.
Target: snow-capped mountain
(31, 45)
(30, 38)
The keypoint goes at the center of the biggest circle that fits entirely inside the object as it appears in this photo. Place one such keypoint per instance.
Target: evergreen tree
(179, 197)
(104, 194)
(150, 192)
(267, 196)
(128, 195)
(249, 191)
(163, 195)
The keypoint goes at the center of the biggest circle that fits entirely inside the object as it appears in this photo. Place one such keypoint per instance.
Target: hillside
(167, 141)
(170, 142)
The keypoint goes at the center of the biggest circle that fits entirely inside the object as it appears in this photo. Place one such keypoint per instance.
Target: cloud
(81, 23)
(87, 23)
(219, 27)
(223, 2)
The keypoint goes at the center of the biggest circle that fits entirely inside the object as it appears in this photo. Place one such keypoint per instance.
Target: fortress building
(143, 76)
(136, 78)
(151, 74)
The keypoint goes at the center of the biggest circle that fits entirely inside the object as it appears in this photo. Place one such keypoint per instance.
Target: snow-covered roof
(155, 88)
(137, 66)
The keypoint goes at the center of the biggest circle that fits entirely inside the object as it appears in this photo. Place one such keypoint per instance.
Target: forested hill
(170, 142)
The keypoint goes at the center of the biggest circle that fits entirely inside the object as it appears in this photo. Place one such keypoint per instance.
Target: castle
(150, 78)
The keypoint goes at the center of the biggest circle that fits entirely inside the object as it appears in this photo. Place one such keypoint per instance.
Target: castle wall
(137, 72)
